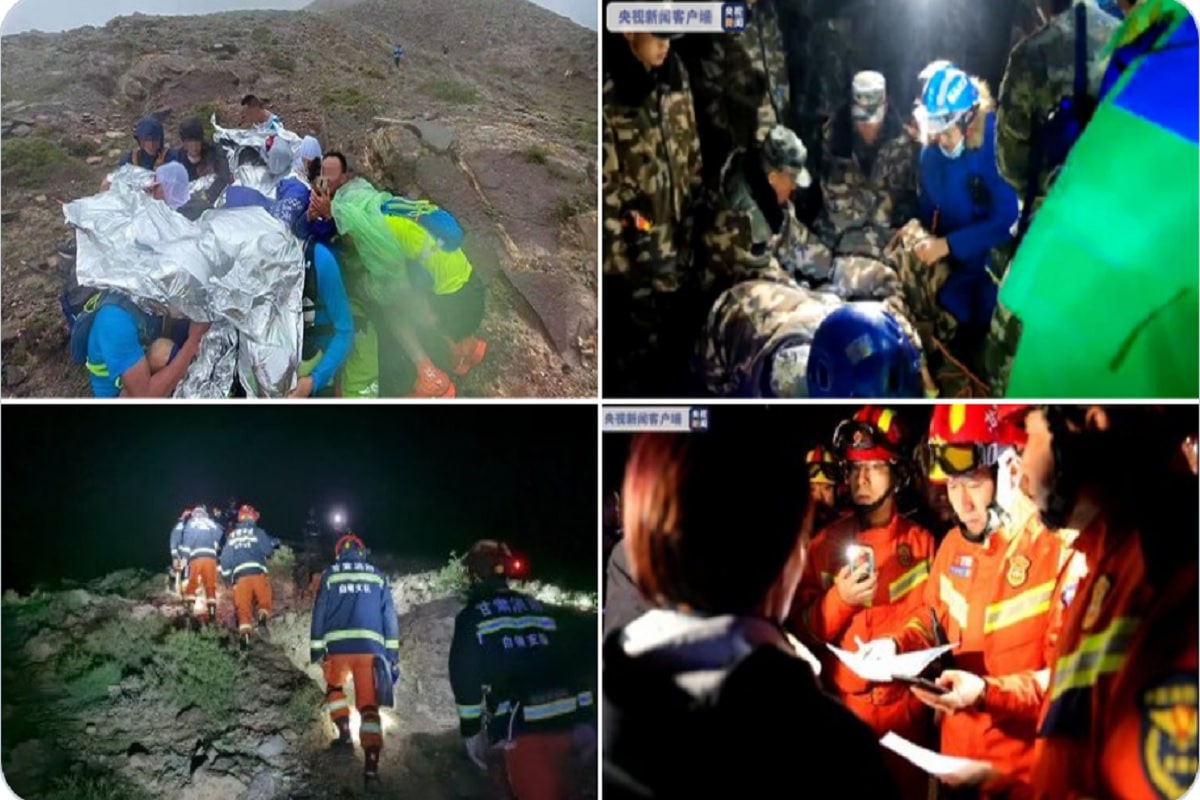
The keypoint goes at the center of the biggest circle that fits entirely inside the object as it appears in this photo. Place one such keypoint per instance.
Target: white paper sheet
(883, 670)
(935, 764)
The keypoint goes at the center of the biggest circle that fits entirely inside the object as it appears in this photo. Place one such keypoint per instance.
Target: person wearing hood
(310, 155)
(202, 159)
(966, 209)
(151, 151)
(520, 701)
(170, 185)
(867, 179)
(652, 178)
(706, 695)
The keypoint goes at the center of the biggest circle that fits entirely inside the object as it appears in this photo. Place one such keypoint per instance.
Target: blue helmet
(949, 97)
(860, 351)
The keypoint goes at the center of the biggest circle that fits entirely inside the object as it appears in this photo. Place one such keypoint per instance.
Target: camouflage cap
(869, 97)
(784, 152)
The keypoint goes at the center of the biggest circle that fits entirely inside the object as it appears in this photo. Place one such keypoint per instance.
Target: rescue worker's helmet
(860, 351)
(487, 558)
(349, 545)
(874, 433)
(950, 98)
(200, 511)
(964, 438)
(247, 513)
(187, 512)
(822, 467)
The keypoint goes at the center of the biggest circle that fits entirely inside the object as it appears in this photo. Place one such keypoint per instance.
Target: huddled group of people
(525, 703)
(1050, 547)
(385, 275)
(755, 226)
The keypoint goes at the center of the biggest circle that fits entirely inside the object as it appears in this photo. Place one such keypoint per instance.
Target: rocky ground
(492, 114)
(106, 694)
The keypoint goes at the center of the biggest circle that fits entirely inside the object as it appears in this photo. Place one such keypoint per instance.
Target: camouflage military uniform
(651, 172)
(863, 208)
(764, 42)
(752, 322)
(752, 235)
(1041, 71)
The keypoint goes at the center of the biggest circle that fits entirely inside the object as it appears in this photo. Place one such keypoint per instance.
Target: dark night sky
(88, 490)
(803, 426)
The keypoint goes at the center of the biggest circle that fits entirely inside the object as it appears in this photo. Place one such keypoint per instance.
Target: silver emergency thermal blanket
(239, 268)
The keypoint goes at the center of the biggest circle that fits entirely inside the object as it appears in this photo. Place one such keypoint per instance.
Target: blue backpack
(437, 222)
(149, 327)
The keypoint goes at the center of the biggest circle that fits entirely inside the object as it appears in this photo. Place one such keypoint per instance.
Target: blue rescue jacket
(177, 537)
(975, 210)
(354, 613)
(201, 538)
(511, 644)
(246, 552)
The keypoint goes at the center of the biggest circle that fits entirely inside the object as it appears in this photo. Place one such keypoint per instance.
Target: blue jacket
(246, 552)
(201, 538)
(971, 226)
(512, 644)
(354, 613)
(177, 537)
(291, 206)
(333, 324)
(323, 230)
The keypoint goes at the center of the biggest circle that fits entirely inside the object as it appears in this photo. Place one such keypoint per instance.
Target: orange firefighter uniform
(1121, 714)
(902, 554)
(244, 563)
(1001, 600)
(199, 545)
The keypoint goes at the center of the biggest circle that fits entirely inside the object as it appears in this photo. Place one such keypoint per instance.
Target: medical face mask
(956, 152)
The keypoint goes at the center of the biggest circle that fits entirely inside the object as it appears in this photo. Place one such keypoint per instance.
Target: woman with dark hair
(706, 695)
(201, 158)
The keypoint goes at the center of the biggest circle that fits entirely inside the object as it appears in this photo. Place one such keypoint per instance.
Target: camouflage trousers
(920, 285)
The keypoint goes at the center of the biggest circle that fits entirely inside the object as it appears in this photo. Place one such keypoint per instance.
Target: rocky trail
(107, 693)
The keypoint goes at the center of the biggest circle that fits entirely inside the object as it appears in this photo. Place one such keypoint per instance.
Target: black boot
(212, 612)
(370, 766)
(244, 642)
(343, 740)
(262, 625)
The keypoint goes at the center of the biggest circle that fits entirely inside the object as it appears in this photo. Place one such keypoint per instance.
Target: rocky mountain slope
(492, 114)
(107, 694)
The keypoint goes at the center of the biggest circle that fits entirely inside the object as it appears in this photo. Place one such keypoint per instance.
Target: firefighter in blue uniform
(353, 624)
(177, 560)
(199, 545)
(512, 682)
(243, 564)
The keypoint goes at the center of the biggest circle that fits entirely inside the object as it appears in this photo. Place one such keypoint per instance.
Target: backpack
(436, 221)
(149, 327)
(73, 297)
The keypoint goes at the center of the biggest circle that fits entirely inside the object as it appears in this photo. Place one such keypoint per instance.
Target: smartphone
(921, 683)
(322, 184)
(856, 556)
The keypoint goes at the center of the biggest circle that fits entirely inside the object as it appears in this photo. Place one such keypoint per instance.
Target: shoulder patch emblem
(1096, 601)
(904, 554)
(1018, 571)
(1169, 752)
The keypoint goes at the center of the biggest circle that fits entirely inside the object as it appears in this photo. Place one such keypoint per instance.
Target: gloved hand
(477, 748)
(877, 649)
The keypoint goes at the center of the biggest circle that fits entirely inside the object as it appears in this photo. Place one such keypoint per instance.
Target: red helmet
(872, 434)
(821, 465)
(963, 438)
(187, 512)
(488, 558)
(247, 512)
(349, 542)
